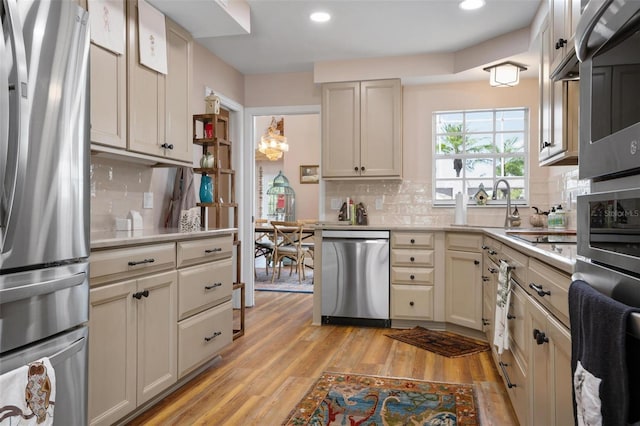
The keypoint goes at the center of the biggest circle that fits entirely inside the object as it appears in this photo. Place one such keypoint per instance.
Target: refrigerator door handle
(14, 148)
(27, 291)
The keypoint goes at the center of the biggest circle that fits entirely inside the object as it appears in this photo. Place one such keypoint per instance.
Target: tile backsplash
(118, 187)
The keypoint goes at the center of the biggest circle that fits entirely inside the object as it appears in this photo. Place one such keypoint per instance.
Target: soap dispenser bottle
(551, 218)
(561, 218)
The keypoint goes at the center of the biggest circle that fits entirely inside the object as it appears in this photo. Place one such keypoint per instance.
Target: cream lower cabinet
(132, 350)
(550, 379)
(412, 275)
(205, 314)
(463, 280)
(361, 129)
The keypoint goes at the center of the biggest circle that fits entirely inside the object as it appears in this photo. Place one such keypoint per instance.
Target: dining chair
(263, 245)
(288, 245)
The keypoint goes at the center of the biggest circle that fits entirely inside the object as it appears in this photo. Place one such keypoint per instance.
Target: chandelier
(273, 143)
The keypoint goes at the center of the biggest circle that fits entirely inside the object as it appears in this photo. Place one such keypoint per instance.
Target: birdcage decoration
(281, 199)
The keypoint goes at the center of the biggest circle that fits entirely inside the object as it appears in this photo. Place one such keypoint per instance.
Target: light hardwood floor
(264, 373)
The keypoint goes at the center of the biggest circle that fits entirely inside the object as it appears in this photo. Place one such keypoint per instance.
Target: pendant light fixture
(505, 74)
(273, 143)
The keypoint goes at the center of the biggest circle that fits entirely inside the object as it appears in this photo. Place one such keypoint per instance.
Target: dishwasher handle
(355, 240)
(355, 234)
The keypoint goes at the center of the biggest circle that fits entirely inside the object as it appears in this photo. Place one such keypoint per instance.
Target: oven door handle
(26, 291)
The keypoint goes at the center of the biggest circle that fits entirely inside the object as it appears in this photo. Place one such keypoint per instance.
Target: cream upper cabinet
(564, 15)
(361, 129)
(463, 280)
(108, 97)
(559, 107)
(158, 104)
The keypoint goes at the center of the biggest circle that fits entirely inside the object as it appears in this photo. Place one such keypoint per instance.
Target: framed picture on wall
(309, 174)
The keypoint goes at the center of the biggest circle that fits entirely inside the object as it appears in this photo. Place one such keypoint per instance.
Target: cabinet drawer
(411, 302)
(464, 242)
(415, 276)
(553, 287)
(207, 249)
(412, 239)
(519, 343)
(203, 286)
(412, 257)
(117, 264)
(514, 375)
(203, 336)
(517, 260)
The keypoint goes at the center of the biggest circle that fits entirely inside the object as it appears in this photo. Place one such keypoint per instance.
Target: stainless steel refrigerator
(44, 200)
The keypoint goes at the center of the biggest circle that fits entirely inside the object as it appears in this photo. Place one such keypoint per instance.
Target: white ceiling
(282, 38)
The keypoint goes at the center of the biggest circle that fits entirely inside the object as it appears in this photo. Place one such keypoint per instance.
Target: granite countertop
(112, 239)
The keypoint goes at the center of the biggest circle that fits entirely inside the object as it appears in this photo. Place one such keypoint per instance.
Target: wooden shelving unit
(223, 211)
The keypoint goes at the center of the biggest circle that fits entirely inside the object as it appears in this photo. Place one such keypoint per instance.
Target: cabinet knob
(476, 262)
(413, 277)
(355, 168)
(485, 278)
(411, 303)
(540, 337)
(167, 145)
(492, 270)
(413, 259)
(561, 43)
(510, 316)
(485, 321)
(362, 169)
(413, 241)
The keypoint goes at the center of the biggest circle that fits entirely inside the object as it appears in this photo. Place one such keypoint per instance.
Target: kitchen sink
(544, 236)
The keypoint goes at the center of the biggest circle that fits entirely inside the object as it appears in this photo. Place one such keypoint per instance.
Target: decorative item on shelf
(481, 196)
(281, 201)
(208, 130)
(207, 161)
(505, 74)
(273, 143)
(212, 104)
(206, 189)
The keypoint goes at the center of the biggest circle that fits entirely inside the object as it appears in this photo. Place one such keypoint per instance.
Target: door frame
(248, 184)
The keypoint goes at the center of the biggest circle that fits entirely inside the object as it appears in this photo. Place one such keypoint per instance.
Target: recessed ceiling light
(320, 17)
(471, 4)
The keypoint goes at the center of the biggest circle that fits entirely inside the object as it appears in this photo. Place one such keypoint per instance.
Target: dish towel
(28, 394)
(503, 300)
(603, 382)
(183, 197)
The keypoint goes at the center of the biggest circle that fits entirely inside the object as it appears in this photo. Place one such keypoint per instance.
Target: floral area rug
(286, 282)
(443, 343)
(351, 399)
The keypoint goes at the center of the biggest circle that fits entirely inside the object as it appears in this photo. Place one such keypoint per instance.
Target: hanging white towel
(503, 300)
(28, 394)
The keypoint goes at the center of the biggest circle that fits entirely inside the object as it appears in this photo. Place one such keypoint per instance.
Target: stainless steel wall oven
(608, 47)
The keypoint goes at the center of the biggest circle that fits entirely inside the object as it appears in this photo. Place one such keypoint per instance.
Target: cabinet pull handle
(215, 250)
(167, 145)
(538, 289)
(139, 295)
(214, 285)
(510, 317)
(485, 321)
(413, 277)
(540, 337)
(484, 247)
(485, 279)
(476, 262)
(492, 270)
(213, 336)
(560, 43)
(140, 262)
(506, 376)
(411, 303)
(493, 252)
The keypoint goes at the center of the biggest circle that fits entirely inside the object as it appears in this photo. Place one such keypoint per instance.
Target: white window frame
(464, 156)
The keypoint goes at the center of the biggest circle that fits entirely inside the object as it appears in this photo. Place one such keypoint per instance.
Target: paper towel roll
(460, 216)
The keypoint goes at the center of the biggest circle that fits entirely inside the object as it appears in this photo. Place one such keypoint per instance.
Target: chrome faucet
(508, 218)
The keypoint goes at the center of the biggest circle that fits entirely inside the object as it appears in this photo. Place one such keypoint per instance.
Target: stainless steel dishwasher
(355, 277)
